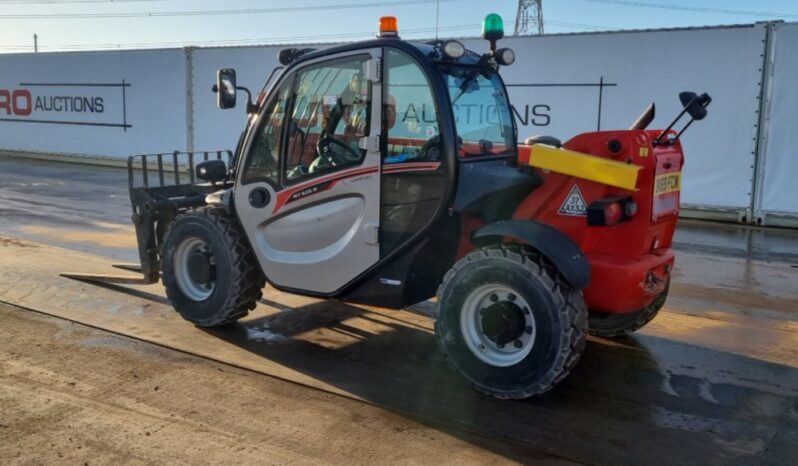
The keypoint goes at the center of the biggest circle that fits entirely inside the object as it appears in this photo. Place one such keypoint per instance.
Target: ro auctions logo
(20, 102)
(16, 102)
(84, 104)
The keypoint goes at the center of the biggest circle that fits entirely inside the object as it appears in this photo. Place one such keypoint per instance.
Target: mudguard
(561, 250)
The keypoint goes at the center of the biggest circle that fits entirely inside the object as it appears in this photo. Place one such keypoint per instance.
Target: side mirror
(212, 170)
(225, 88)
(696, 105)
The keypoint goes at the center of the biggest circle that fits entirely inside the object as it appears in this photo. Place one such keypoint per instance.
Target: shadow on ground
(642, 400)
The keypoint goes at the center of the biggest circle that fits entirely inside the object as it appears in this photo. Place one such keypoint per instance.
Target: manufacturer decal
(390, 281)
(309, 191)
(316, 186)
(574, 204)
(356, 179)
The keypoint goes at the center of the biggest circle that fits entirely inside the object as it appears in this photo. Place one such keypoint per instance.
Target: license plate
(667, 183)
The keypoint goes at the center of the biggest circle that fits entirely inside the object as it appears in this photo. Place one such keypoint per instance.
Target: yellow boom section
(585, 166)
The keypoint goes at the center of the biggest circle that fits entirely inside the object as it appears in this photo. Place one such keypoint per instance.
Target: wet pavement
(712, 380)
(749, 242)
(87, 208)
(70, 205)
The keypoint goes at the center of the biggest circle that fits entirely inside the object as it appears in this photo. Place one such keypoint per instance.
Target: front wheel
(509, 322)
(209, 270)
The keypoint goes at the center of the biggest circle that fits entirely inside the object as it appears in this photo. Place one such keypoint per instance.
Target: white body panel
(321, 242)
(296, 238)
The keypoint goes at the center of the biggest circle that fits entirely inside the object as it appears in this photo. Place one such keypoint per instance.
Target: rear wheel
(509, 322)
(209, 270)
(606, 325)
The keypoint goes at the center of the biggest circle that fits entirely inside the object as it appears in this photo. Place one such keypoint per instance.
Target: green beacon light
(492, 29)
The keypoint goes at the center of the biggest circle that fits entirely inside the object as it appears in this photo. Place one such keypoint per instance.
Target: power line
(69, 2)
(579, 25)
(156, 14)
(252, 41)
(761, 14)
(267, 40)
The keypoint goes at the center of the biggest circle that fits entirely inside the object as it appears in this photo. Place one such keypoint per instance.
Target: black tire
(606, 325)
(558, 311)
(239, 282)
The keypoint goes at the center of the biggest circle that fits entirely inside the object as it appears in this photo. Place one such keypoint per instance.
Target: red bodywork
(630, 262)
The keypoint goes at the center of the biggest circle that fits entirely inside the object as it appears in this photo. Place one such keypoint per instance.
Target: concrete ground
(712, 380)
(72, 394)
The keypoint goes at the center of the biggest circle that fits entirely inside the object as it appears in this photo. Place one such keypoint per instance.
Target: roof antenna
(437, 11)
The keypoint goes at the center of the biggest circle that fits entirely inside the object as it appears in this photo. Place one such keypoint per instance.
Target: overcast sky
(86, 24)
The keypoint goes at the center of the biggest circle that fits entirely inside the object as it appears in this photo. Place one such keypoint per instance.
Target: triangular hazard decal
(574, 203)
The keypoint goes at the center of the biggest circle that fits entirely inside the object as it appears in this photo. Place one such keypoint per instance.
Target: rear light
(610, 211)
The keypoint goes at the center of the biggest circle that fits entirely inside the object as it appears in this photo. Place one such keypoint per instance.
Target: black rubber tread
(246, 278)
(605, 325)
(572, 314)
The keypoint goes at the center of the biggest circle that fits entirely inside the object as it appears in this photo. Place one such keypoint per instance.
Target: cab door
(308, 194)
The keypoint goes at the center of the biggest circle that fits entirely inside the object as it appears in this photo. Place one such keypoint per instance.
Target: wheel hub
(195, 269)
(498, 325)
(200, 268)
(503, 322)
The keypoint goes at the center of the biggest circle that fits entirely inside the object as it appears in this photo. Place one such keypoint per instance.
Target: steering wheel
(431, 150)
(332, 153)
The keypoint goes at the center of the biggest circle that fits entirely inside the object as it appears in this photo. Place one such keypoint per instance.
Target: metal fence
(740, 165)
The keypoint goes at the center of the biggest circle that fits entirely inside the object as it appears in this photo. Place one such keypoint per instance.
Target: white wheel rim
(191, 288)
(480, 344)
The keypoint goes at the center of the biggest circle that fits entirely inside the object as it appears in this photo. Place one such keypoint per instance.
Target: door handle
(259, 197)
(372, 231)
(369, 143)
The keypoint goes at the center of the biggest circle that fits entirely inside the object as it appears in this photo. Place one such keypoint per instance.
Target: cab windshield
(481, 110)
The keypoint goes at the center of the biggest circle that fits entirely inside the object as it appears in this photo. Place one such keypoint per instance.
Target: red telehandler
(388, 172)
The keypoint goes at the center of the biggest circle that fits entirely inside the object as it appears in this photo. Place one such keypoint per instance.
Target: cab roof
(428, 51)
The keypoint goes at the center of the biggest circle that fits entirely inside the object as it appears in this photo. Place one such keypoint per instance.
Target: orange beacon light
(388, 27)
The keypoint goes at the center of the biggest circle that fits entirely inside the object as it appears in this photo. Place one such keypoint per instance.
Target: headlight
(505, 56)
(453, 49)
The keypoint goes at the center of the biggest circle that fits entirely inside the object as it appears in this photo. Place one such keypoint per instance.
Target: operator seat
(346, 123)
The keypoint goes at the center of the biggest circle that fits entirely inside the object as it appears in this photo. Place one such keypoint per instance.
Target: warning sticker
(574, 203)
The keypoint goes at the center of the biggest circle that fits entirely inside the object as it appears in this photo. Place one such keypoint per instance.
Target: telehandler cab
(335, 192)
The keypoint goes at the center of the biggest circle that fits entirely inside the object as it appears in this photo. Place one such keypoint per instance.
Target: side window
(411, 193)
(411, 117)
(330, 115)
(263, 161)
